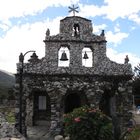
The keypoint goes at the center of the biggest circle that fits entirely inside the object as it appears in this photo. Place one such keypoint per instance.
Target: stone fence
(8, 131)
(6, 102)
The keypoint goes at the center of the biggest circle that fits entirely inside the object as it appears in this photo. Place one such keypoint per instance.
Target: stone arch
(107, 103)
(64, 49)
(76, 29)
(87, 56)
(104, 104)
(74, 99)
(41, 107)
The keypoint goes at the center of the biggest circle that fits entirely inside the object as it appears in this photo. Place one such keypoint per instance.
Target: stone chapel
(75, 71)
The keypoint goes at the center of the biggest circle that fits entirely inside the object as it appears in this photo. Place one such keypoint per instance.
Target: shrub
(86, 123)
(132, 134)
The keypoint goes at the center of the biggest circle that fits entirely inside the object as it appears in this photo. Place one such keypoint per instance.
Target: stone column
(54, 116)
(17, 111)
(16, 90)
(116, 120)
(24, 127)
(29, 110)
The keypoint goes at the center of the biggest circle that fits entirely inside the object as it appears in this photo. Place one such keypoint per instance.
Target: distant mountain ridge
(7, 81)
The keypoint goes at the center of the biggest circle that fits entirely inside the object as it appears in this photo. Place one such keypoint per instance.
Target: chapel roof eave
(74, 17)
(67, 37)
(91, 76)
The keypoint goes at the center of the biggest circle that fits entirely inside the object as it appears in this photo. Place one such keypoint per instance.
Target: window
(87, 58)
(42, 102)
(64, 57)
(76, 30)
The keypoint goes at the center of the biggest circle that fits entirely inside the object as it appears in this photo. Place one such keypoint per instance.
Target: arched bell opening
(63, 57)
(87, 58)
(76, 30)
(74, 99)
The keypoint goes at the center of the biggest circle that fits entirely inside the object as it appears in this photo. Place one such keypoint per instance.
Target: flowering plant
(131, 134)
(86, 123)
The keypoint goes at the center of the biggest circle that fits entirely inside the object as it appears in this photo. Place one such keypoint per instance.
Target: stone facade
(8, 131)
(106, 85)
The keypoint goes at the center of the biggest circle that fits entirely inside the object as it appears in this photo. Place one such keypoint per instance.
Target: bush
(86, 123)
(9, 114)
(132, 134)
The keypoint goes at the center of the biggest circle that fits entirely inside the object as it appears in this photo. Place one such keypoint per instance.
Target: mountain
(7, 81)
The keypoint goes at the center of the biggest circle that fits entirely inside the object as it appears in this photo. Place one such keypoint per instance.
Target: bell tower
(75, 45)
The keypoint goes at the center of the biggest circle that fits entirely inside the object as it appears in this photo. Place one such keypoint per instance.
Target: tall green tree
(136, 84)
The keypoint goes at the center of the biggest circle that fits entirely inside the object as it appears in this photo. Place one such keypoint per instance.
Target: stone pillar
(16, 90)
(54, 116)
(24, 127)
(116, 120)
(17, 111)
(29, 117)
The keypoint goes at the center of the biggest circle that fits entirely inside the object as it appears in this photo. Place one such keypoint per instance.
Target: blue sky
(23, 24)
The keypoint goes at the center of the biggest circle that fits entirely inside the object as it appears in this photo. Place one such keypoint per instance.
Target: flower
(64, 115)
(77, 119)
(129, 129)
(88, 123)
(93, 110)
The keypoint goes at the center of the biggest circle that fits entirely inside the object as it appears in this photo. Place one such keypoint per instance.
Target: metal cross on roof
(73, 9)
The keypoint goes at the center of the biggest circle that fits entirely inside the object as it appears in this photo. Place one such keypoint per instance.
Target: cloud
(119, 57)
(19, 8)
(91, 10)
(113, 9)
(24, 38)
(118, 8)
(99, 28)
(135, 17)
(115, 38)
(117, 28)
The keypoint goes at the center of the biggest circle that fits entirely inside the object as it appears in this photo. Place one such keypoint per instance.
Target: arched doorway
(74, 99)
(42, 109)
(105, 102)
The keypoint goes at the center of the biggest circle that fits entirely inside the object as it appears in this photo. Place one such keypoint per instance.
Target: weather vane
(73, 9)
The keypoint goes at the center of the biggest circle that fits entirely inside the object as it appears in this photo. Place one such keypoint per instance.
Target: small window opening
(87, 58)
(76, 30)
(64, 57)
(42, 102)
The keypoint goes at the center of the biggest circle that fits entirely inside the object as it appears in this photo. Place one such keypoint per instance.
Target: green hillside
(7, 81)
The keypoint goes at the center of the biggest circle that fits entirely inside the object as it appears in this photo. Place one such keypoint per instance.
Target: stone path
(38, 133)
(137, 119)
(42, 132)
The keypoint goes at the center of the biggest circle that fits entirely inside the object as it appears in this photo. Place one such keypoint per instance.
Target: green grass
(9, 114)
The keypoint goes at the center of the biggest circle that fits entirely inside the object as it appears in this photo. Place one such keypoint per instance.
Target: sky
(23, 24)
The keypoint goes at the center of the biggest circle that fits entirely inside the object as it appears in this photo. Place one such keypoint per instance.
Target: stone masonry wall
(93, 87)
(88, 82)
(101, 64)
(8, 130)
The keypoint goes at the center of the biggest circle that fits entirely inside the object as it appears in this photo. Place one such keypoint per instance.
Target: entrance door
(72, 101)
(105, 103)
(41, 108)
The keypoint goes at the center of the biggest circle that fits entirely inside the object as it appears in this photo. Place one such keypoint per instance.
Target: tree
(137, 71)
(136, 84)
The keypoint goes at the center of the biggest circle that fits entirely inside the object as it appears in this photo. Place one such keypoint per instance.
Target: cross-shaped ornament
(73, 9)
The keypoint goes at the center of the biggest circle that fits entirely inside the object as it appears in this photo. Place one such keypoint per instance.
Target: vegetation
(88, 124)
(131, 134)
(9, 114)
(6, 83)
(136, 84)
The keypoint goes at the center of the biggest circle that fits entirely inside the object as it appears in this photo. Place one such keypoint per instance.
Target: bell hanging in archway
(85, 56)
(64, 57)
